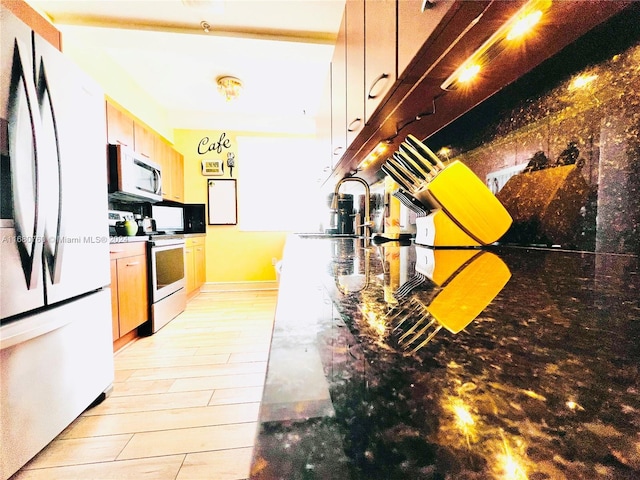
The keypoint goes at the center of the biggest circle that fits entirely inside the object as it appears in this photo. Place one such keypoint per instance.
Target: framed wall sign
(212, 167)
(223, 205)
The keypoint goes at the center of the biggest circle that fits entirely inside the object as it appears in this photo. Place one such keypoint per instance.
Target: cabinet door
(416, 26)
(190, 268)
(177, 176)
(339, 98)
(119, 126)
(200, 263)
(380, 52)
(354, 13)
(143, 140)
(115, 322)
(163, 158)
(132, 292)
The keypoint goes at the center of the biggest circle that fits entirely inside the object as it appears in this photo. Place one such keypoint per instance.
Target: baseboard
(238, 286)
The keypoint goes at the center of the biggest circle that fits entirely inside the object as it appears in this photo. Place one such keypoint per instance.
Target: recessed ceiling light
(213, 6)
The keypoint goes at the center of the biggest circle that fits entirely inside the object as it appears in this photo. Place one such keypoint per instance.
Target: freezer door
(51, 369)
(74, 193)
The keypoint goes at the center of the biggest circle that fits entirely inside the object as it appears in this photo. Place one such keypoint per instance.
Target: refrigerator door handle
(50, 168)
(24, 154)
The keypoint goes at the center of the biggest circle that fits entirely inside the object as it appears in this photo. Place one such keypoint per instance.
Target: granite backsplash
(582, 108)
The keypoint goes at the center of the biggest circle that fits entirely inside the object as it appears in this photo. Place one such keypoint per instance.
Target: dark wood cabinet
(339, 97)
(415, 26)
(355, 69)
(380, 71)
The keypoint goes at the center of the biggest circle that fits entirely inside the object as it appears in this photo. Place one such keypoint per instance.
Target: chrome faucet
(367, 224)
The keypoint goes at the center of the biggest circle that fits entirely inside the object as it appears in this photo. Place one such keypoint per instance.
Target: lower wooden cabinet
(129, 287)
(195, 262)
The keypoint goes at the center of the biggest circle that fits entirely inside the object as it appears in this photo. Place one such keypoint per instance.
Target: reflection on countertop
(128, 239)
(496, 363)
(145, 238)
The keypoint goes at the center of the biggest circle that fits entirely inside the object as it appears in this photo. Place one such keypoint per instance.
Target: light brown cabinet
(120, 130)
(35, 21)
(144, 140)
(123, 129)
(177, 176)
(195, 262)
(129, 287)
(172, 163)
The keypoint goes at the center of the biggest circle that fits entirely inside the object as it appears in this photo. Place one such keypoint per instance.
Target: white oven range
(167, 293)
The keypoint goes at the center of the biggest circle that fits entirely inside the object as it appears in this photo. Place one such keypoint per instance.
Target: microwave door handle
(158, 175)
(51, 191)
(24, 153)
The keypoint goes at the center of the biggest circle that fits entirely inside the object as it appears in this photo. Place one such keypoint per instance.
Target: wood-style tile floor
(185, 401)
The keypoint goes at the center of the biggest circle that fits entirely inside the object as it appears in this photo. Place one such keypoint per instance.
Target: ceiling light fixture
(229, 87)
(211, 6)
(514, 29)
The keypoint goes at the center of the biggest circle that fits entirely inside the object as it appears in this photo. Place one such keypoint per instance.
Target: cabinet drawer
(194, 241)
(127, 249)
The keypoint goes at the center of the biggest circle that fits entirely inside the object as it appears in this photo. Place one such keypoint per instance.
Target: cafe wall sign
(215, 166)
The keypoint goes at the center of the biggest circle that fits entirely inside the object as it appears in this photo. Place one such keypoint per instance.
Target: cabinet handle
(122, 143)
(355, 125)
(116, 251)
(338, 150)
(371, 96)
(144, 154)
(133, 264)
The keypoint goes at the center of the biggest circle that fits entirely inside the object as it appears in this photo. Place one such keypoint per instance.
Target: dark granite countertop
(368, 379)
(145, 238)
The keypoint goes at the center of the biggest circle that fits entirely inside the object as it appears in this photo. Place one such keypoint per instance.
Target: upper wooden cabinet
(339, 97)
(415, 26)
(35, 21)
(177, 176)
(120, 128)
(380, 52)
(123, 129)
(355, 68)
(144, 140)
(172, 164)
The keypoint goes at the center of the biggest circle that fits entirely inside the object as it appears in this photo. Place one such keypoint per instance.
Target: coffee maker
(342, 218)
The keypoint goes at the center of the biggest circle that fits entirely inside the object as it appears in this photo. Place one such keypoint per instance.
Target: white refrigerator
(56, 353)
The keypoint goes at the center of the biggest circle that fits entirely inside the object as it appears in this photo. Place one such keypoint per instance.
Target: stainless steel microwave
(133, 177)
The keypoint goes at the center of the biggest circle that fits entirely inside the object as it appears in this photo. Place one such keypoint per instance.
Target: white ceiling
(280, 49)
